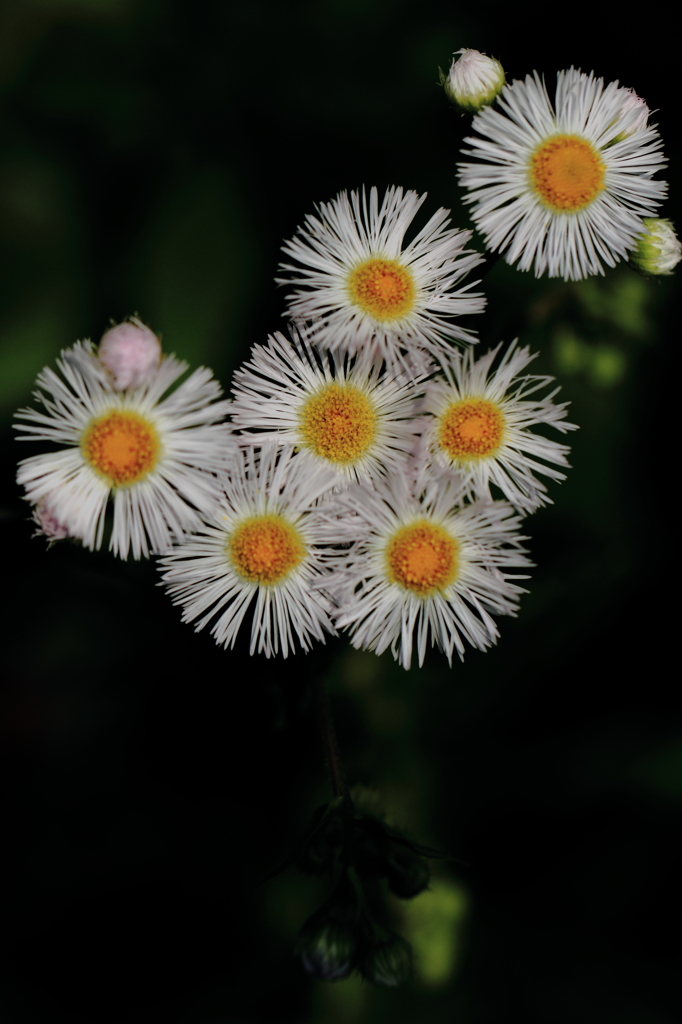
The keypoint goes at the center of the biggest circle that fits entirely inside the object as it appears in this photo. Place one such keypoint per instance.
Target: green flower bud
(327, 949)
(389, 962)
(658, 249)
(473, 81)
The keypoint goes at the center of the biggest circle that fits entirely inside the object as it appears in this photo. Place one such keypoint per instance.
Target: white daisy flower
(480, 426)
(262, 546)
(365, 289)
(156, 456)
(343, 413)
(426, 569)
(562, 189)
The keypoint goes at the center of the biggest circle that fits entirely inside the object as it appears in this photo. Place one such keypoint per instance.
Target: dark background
(153, 157)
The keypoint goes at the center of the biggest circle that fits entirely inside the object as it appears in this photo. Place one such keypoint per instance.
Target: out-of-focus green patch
(360, 669)
(432, 923)
(603, 364)
(26, 346)
(620, 298)
(195, 269)
(660, 771)
(345, 1002)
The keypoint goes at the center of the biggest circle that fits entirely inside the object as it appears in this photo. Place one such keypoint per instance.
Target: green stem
(329, 741)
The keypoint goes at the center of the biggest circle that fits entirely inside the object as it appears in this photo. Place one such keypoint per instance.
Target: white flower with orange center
(562, 189)
(481, 415)
(155, 456)
(337, 411)
(365, 288)
(266, 546)
(426, 568)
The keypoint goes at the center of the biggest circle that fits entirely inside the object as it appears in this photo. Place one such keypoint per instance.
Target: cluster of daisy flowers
(366, 475)
(379, 475)
(562, 185)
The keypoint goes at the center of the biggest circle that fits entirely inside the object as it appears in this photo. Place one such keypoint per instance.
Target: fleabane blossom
(481, 415)
(342, 412)
(155, 456)
(561, 188)
(265, 546)
(365, 289)
(426, 568)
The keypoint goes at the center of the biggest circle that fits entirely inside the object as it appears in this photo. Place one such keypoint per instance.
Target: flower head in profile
(155, 456)
(426, 568)
(480, 426)
(562, 188)
(658, 249)
(365, 288)
(263, 547)
(343, 413)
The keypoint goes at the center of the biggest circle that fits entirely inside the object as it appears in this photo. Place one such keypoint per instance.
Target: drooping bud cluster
(363, 857)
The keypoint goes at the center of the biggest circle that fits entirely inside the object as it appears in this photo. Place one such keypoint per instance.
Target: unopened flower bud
(49, 525)
(634, 110)
(327, 950)
(389, 962)
(130, 352)
(658, 249)
(473, 81)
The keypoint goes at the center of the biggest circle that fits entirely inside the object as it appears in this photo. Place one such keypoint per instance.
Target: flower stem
(328, 734)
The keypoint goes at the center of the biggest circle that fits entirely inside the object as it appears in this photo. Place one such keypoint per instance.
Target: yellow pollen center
(470, 429)
(567, 172)
(265, 549)
(122, 446)
(422, 558)
(339, 423)
(383, 288)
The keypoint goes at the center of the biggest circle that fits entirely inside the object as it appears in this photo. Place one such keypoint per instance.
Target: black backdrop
(154, 156)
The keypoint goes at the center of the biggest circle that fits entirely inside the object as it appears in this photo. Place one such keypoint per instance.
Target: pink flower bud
(130, 352)
(49, 526)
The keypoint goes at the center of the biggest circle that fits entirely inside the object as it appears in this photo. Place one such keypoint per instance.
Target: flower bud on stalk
(658, 249)
(327, 949)
(130, 352)
(473, 81)
(388, 962)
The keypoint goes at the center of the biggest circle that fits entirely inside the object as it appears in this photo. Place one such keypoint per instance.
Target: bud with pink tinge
(130, 352)
(635, 110)
(49, 526)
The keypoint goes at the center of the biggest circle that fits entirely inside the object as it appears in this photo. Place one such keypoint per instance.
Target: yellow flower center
(566, 172)
(470, 429)
(383, 288)
(122, 446)
(339, 423)
(265, 549)
(422, 558)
